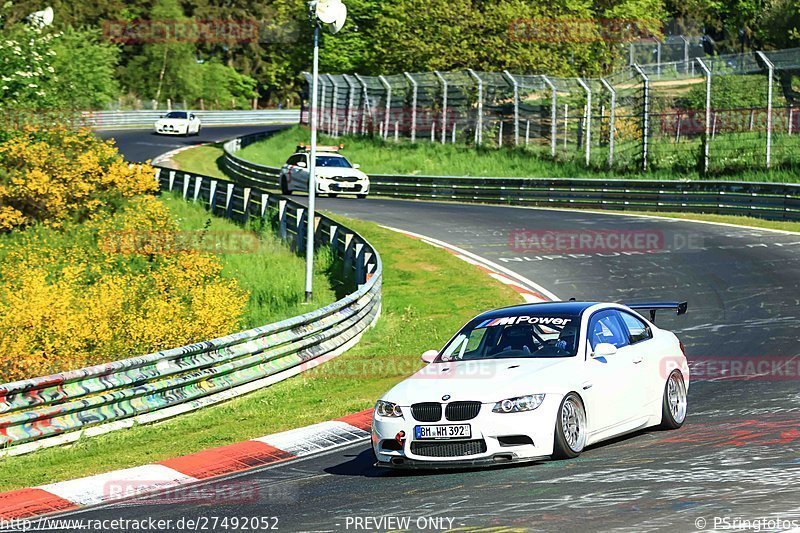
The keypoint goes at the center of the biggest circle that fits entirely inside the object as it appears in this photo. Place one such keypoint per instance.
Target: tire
(285, 187)
(570, 430)
(361, 196)
(332, 195)
(197, 133)
(674, 404)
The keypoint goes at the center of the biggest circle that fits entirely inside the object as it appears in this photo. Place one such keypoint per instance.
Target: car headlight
(518, 405)
(389, 409)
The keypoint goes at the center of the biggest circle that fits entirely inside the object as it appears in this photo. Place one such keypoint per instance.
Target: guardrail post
(264, 204)
(347, 254)
(770, 73)
(212, 196)
(413, 106)
(444, 104)
(611, 120)
(282, 219)
(246, 203)
(361, 272)
(645, 114)
(707, 129)
(388, 110)
(198, 183)
(171, 179)
(300, 234)
(229, 201)
(186, 178)
(516, 106)
(333, 239)
(588, 122)
(479, 117)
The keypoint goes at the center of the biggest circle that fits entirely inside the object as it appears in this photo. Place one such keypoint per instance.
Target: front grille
(427, 412)
(459, 411)
(449, 449)
(349, 179)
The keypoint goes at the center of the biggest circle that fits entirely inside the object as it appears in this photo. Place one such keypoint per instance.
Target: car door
(610, 379)
(299, 176)
(645, 358)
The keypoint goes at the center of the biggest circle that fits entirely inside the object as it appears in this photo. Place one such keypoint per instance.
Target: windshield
(332, 161)
(520, 336)
(176, 114)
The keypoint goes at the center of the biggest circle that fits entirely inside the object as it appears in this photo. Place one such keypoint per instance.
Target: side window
(638, 330)
(607, 327)
(293, 160)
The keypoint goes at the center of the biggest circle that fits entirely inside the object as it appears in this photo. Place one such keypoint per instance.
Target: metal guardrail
(773, 201)
(109, 119)
(51, 410)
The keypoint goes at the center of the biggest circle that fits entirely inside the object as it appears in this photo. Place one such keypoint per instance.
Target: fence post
(321, 112)
(516, 106)
(351, 94)
(444, 104)
(707, 143)
(479, 119)
(611, 120)
(553, 115)
(388, 106)
(333, 113)
(588, 122)
(685, 53)
(645, 114)
(413, 106)
(366, 107)
(771, 72)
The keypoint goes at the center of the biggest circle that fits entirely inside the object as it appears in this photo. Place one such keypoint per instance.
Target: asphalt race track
(737, 457)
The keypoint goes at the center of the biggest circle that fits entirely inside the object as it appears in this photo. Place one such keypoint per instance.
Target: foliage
(69, 300)
(50, 176)
(86, 68)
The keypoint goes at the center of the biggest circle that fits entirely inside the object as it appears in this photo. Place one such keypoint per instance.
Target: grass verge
(425, 158)
(259, 261)
(427, 295)
(205, 160)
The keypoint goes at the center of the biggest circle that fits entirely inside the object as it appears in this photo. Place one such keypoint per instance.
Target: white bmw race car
(535, 381)
(178, 123)
(334, 174)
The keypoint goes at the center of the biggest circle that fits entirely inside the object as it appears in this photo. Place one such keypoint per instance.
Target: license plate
(449, 431)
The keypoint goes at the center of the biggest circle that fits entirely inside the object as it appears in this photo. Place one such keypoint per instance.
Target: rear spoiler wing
(653, 307)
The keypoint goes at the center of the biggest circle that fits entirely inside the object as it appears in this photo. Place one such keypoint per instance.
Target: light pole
(331, 15)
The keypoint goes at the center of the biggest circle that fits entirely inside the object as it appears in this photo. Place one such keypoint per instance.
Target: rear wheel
(285, 187)
(570, 434)
(674, 404)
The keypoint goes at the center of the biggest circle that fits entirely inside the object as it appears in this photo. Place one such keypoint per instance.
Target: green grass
(204, 160)
(427, 294)
(263, 265)
(425, 158)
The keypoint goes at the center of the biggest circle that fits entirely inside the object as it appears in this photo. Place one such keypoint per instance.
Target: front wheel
(361, 196)
(675, 403)
(332, 195)
(570, 434)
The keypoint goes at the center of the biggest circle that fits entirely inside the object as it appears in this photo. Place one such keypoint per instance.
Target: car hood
(331, 172)
(485, 381)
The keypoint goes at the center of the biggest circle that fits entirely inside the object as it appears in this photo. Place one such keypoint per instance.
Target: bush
(68, 299)
(51, 176)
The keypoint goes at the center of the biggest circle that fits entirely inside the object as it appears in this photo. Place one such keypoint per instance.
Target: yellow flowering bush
(55, 174)
(69, 300)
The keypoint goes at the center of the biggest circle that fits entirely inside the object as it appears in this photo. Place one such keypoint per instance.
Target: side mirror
(356, 166)
(301, 164)
(429, 355)
(192, 117)
(604, 349)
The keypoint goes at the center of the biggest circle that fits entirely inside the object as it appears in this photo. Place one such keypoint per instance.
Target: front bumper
(496, 438)
(168, 129)
(328, 186)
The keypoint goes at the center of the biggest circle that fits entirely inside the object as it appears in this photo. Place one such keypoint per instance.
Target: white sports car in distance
(535, 381)
(335, 175)
(178, 123)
